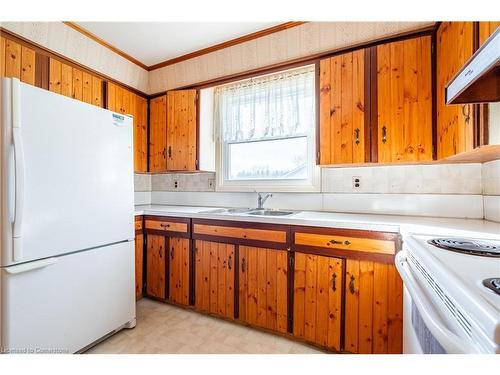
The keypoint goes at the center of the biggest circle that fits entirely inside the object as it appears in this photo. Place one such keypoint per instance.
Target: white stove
(447, 308)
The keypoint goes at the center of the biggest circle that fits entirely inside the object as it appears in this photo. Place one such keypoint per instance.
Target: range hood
(479, 80)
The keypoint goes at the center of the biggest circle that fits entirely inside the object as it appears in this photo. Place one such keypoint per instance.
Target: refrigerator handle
(30, 266)
(19, 171)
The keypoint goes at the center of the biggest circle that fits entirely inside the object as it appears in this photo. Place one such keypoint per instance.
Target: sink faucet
(261, 199)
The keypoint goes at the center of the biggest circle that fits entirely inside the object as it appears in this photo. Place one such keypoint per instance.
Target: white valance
(274, 106)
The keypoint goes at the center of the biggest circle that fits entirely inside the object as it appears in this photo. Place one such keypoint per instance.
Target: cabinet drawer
(166, 226)
(267, 235)
(138, 223)
(341, 242)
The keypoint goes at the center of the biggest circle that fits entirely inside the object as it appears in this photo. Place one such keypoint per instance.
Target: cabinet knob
(384, 134)
(229, 262)
(243, 265)
(172, 253)
(356, 135)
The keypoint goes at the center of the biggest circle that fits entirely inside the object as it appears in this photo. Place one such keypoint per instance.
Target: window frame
(312, 184)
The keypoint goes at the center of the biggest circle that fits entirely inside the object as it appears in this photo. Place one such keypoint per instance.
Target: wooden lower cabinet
(262, 292)
(139, 261)
(373, 307)
(317, 299)
(179, 270)
(155, 266)
(214, 278)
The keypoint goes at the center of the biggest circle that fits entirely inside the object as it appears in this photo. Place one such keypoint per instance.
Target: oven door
(424, 330)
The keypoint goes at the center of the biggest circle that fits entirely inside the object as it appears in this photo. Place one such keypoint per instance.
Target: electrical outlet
(177, 185)
(356, 182)
(211, 183)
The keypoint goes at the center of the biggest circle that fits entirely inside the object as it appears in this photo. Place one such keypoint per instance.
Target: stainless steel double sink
(248, 211)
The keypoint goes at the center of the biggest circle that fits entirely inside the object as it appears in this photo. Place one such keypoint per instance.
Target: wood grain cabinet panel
(157, 134)
(167, 226)
(455, 123)
(486, 28)
(263, 287)
(155, 266)
(342, 109)
(182, 130)
(139, 257)
(373, 308)
(214, 278)
(240, 233)
(179, 270)
(317, 301)
(127, 102)
(74, 83)
(404, 97)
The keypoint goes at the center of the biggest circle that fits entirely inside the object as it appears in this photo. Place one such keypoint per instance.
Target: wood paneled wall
(486, 29)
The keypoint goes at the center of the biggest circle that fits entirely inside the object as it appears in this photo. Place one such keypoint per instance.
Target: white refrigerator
(67, 222)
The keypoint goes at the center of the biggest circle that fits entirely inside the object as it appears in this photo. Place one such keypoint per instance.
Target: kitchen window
(265, 133)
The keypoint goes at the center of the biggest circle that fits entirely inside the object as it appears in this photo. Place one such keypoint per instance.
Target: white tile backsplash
(142, 182)
(448, 190)
(491, 178)
(492, 207)
(405, 179)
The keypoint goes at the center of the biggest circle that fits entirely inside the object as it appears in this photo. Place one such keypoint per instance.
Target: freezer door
(63, 304)
(69, 175)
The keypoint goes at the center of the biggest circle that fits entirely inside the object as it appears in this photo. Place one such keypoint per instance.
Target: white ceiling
(154, 42)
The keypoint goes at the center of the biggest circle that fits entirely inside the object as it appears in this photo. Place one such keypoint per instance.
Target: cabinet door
(404, 97)
(317, 302)
(214, 278)
(373, 308)
(263, 287)
(140, 134)
(179, 270)
(486, 28)
(139, 260)
(342, 109)
(157, 134)
(181, 130)
(155, 267)
(455, 123)
(17, 61)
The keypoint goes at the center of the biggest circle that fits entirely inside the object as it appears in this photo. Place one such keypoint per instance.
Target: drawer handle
(351, 285)
(169, 152)
(243, 265)
(334, 282)
(466, 113)
(335, 242)
(229, 261)
(165, 225)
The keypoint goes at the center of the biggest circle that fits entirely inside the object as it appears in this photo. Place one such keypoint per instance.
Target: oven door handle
(446, 338)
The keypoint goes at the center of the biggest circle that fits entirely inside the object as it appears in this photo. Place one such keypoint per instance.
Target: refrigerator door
(69, 175)
(63, 304)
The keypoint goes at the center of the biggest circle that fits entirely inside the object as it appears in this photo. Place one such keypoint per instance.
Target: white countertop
(385, 223)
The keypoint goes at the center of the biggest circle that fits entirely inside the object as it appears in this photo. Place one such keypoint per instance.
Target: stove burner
(466, 246)
(493, 284)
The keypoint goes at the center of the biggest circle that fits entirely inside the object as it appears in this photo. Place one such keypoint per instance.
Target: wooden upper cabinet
(182, 130)
(373, 308)
(486, 28)
(75, 83)
(317, 301)
(404, 97)
(214, 278)
(157, 134)
(17, 61)
(263, 287)
(342, 109)
(127, 102)
(455, 123)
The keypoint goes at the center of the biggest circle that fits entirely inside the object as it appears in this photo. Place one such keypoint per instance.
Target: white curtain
(278, 105)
